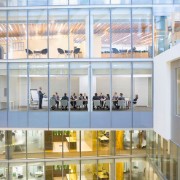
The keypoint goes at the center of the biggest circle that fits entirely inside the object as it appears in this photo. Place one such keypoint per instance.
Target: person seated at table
(85, 102)
(135, 99)
(57, 100)
(65, 97)
(80, 96)
(73, 100)
(121, 97)
(115, 100)
(102, 100)
(107, 98)
(95, 97)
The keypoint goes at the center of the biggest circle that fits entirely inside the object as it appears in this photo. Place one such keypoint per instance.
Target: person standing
(57, 100)
(40, 97)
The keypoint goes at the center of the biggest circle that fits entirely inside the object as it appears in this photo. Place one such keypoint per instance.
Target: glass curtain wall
(142, 86)
(121, 33)
(100, 39)
(17, 34)
(58, 33)
(78, 34)
(3, 35)
(18, 87)
(178, 89)
(142, 33)
(58, 2)
(17, 171)
(35, 170)
(17, 2)
(37, 34)
(37, 3)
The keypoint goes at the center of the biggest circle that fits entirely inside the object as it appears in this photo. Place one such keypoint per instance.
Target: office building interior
(89, 89)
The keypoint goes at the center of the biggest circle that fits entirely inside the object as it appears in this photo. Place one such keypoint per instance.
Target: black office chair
(115, 51)
(76, 51)
(44, 51)
(60, 51)
(29, 52)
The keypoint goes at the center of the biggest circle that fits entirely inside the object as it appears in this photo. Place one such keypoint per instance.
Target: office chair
(44, 51)
(76, 51)
(29, 52)
(60, 51)
(115, 51)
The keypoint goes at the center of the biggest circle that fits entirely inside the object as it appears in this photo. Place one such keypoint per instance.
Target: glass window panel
(100, 91)
(59, 82)
(122, 169)
(88, 169)
(78, 2)
(138, 168)
(58, 2)
(58, 33)
(17, 34)
(54, 170)
(121, 33)
(3, 3)
(17, 139)
(142, 90)
(18, 87)
(17, 171)
(178, 90)
(177, 1)
(88, 143)
(176, 26)
(35, 144)
(120, 1)
(162, 1)
(106, 169)
(17, 2)
(123, 142)
(3, 146)
(141, 1)
(36, 170)
(139, 142)
(121, 86)
(37, 34)
(142, 33)
(100, 1)
(3, 85)
(71, 143)
(79, 86)
(53, 143)
(4, 170)
(71, 170)
(79, 34)
(3, 35)
(106, 142)
(38, 86)
(37, 3)
(100, 40)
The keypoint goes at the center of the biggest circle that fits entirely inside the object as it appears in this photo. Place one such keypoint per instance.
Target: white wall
(162, 91)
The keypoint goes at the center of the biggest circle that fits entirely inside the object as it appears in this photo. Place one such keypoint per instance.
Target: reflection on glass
(141, 1)
(138, 168)
(3, 170)
(3, 35)
(121, 33)
(122, 169)
(121, 86)
(37, 3)
(100, 42)
(58, 33)
(120, 1)
(79, 34)
(38, 86)
(142, 90)
(71, 144)
(100, 91)
(71, 170)
(17, 139)
(79, 86)
(16, 2)
(58, 86)
(58, 2)
(142, 33)
(3, 85)
(178, 90)
(17, 34)
(17, 171)
(3, 3)
(18, 87)
(35, 144)
(36, 170)
(37, 34)
(162, 1)
(53, 143)
(88, 143)
(78, 2)
(123, 142)
(100, 1)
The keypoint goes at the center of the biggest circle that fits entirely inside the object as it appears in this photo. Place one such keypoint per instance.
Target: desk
(72, 176)
(102, 175)
(103, 139)
(3, 105)
(71, 142)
